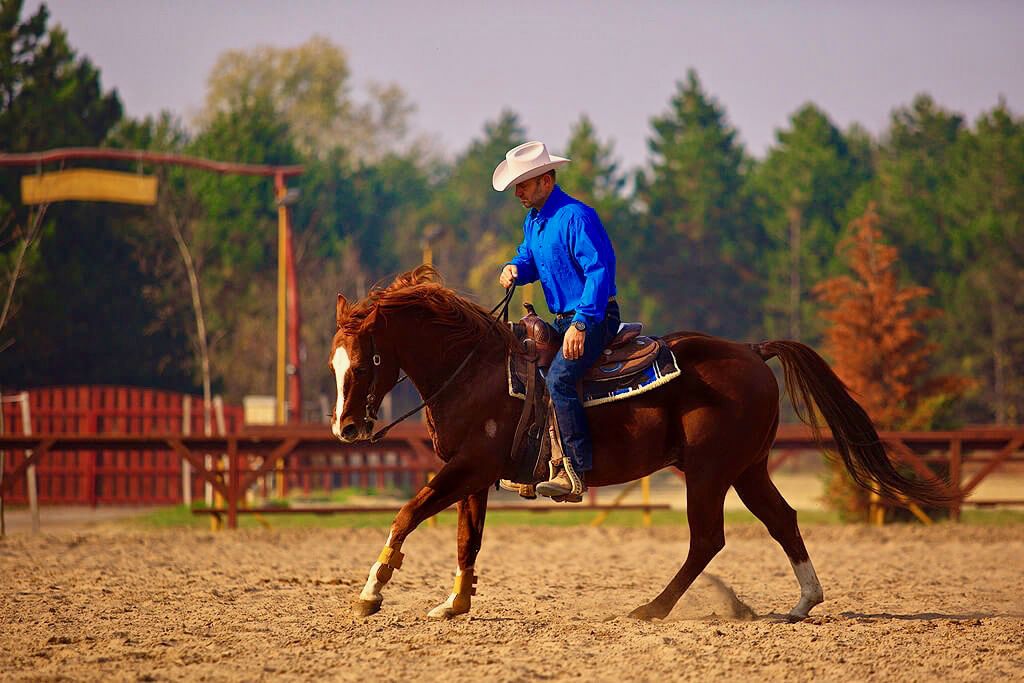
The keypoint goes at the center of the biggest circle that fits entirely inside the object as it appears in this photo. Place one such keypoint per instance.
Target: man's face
(534, 192)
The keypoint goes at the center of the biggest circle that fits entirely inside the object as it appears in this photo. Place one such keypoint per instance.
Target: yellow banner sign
(91, 185)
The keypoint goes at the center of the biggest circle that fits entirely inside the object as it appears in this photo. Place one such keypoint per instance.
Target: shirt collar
(556, 200)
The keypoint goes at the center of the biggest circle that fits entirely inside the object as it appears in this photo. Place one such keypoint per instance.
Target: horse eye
(359, 370)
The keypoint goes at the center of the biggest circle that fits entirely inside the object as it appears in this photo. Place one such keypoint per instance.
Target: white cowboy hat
(526, 161)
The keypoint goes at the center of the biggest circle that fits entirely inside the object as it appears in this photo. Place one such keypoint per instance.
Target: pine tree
(988, 299)
(801, 188)
(915, 178)
(878, 348)
(481, 227)
(594, 178)
(875, 339)
(699, 237)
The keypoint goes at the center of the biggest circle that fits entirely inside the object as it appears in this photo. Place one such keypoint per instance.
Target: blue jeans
(561, 382)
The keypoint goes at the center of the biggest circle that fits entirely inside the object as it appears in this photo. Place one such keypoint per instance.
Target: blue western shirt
(566, 247)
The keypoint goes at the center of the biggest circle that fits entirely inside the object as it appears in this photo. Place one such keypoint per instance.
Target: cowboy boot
(560, 487)
(565, 485)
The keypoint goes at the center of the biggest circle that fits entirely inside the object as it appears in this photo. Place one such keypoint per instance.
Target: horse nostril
(349, 432)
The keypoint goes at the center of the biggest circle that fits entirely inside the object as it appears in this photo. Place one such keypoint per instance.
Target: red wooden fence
(108, 476)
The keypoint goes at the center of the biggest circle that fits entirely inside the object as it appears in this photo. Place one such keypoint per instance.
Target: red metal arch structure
(288, 314)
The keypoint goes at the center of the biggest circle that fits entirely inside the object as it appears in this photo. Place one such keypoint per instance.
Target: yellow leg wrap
(465, 587)
(391, 557)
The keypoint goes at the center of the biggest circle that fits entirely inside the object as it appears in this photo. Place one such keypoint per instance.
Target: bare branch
(31, 234)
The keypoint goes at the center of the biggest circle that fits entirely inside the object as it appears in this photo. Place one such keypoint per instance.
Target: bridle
(373, 405)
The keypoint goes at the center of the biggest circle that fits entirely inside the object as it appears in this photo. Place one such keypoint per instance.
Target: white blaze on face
(341, 364)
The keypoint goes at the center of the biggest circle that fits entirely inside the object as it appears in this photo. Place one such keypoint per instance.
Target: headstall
(371, 397)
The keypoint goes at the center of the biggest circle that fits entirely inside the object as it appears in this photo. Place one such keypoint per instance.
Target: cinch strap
(389, 557)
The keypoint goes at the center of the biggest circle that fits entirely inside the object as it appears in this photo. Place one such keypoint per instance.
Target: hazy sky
(462, 62)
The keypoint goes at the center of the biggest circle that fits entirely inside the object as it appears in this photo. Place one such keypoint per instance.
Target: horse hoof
(646, 613)
(364, 608)
(793, 618)
(441, 613)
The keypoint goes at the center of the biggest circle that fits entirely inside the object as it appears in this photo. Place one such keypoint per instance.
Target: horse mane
(424, 287)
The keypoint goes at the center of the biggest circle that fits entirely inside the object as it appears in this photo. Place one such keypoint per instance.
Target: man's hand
(572, 343)
(508, 276)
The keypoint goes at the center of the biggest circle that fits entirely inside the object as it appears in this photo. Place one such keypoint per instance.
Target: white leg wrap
(810, 589)
(371, 591)
(447, 609)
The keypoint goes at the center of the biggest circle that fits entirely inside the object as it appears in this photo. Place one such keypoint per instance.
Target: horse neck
(429, 357)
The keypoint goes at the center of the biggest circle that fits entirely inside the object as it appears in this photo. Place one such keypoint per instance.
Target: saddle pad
(595, 392)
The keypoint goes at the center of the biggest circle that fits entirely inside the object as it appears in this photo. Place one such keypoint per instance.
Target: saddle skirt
(630, 365)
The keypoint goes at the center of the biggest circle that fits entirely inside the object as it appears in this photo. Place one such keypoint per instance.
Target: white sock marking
(810, 588)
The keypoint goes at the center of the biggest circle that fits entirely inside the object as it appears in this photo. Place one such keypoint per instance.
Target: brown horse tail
(810, 381)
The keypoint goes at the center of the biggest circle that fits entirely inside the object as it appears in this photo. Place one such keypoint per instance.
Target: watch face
(580, 325)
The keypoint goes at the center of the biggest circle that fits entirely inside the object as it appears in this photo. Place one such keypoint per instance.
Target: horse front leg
(472, 511)
(453, 483)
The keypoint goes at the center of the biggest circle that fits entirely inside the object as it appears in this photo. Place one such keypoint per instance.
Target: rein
(371, 414)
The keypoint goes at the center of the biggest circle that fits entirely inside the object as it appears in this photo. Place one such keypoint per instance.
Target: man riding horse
(566, 247)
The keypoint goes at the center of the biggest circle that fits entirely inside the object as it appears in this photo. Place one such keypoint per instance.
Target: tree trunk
(197, 307)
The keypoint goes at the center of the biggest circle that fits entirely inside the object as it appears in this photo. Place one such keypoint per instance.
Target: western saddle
(626, 354)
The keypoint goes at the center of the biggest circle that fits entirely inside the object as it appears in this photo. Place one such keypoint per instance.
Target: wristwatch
(580, 325)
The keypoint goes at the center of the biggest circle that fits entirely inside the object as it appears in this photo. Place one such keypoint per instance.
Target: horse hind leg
(758, 493)
(704, 513)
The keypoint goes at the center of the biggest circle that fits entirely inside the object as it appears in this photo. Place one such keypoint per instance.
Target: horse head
(365, 369)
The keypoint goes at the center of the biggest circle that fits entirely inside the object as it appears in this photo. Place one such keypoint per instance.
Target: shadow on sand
(926, 616)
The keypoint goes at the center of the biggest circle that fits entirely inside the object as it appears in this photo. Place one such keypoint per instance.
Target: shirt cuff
(579, 317)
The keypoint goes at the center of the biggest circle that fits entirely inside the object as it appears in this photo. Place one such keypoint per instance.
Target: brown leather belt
(569, 314)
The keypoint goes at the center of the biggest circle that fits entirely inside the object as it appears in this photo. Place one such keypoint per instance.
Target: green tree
(309, 87)
(81, 316)
(985, 334)
(480, 228)
(802, 188)
(699, 239)
(915, 176)
(594, 177)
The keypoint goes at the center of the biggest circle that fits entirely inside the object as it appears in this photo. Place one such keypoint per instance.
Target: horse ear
(342, 309)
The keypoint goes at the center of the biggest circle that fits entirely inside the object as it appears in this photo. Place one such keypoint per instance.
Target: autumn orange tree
(877, 345)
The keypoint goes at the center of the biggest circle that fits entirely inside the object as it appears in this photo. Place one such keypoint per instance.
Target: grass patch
(182, 517)
(992, 517)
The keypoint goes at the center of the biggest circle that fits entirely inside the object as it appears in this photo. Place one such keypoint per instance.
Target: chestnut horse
(716, 422)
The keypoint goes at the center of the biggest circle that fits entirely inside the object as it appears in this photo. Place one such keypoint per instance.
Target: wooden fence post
(955, 475)
(30, 473)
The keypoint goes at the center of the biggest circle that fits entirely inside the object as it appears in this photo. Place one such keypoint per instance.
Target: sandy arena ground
(902, 603)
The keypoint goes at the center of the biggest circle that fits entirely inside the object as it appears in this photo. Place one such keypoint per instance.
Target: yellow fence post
(876, 511)
(603, 514)
(216, 523)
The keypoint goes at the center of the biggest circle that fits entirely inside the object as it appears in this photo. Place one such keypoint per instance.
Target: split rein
(371, 413)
